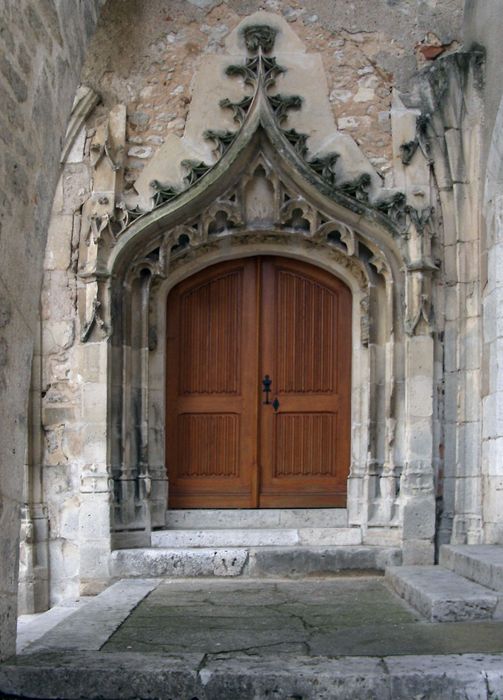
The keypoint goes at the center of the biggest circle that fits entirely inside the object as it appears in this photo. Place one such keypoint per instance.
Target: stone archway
(39, 102)
(261, 190)
(264, 194)
(37, 88)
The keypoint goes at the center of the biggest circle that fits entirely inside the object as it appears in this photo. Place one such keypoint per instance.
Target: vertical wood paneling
(210, 337)
(305, 445)
(306, 321)
(208, 445)
(228, 326)
(306, 341)
(211, 397)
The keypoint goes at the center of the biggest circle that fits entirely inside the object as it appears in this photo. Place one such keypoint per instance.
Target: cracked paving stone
(322, 617)
(283, 617)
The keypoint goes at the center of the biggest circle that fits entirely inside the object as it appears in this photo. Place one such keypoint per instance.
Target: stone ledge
(441, 595)
(176, 563)
(117, 676)
(480, 563)
(293, 562)
(256, 537)
(257, 518)
(288, 561)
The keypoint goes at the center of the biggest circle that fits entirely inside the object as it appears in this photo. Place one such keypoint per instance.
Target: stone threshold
(212, 518)
(295, 561)
(256, 537)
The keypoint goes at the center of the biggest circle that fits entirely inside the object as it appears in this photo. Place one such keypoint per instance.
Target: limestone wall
(482, 20)
(142, 66)
(146, 56)
(42, 47)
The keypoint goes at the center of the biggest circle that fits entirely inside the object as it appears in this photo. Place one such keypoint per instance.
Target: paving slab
(32, 626)
(480, 563)
(92, 624)
(131, 676)
(240, 639)
(440, 594)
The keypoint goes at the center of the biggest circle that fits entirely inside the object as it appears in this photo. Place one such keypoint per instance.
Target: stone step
(441, 595)
(289, 562)
(263, 537)
(480, 563)
(256, 518)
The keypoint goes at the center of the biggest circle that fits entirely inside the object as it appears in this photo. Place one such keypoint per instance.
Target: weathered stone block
(178, 562)
(441, 595)
(417, 552)
(59, 250)
(480, 563)
(419, 518)
(94, 402)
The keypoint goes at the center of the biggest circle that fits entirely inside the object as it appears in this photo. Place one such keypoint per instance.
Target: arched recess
(254, 206)
(265, 196)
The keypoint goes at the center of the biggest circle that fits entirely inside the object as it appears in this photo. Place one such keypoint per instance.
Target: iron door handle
(266, 388)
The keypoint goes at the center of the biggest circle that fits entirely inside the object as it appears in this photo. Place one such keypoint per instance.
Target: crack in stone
(216, 655)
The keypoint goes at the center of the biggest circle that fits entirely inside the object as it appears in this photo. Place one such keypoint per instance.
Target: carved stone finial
(260, 36)
(407, 151)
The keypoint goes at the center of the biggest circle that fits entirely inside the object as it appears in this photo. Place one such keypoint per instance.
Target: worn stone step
(480, 563)
(180, 562)
(249, 537)
(256, 518)
(296, 562)
(293, 561)
(442, 595)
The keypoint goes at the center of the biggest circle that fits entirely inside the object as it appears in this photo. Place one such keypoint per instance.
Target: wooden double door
(235, 330)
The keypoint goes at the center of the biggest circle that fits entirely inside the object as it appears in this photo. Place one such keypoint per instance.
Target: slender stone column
(418, 509)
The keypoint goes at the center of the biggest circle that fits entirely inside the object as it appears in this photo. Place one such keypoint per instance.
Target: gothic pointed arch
(255, 183)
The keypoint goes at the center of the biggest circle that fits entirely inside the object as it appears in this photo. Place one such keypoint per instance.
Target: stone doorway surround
(273, 176)
(259, 190)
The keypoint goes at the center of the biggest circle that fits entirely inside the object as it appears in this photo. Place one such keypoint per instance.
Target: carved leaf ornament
(286, 211)
(260, 72)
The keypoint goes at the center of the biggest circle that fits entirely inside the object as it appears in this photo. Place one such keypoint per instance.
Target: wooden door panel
(211, 442)
(305, 444)
(306, 342)
(210, 336)
(229, 326)
(209, 445)
(305, 335)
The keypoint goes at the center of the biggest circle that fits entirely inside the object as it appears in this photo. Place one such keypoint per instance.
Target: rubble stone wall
(146, 56)
(42, 47)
